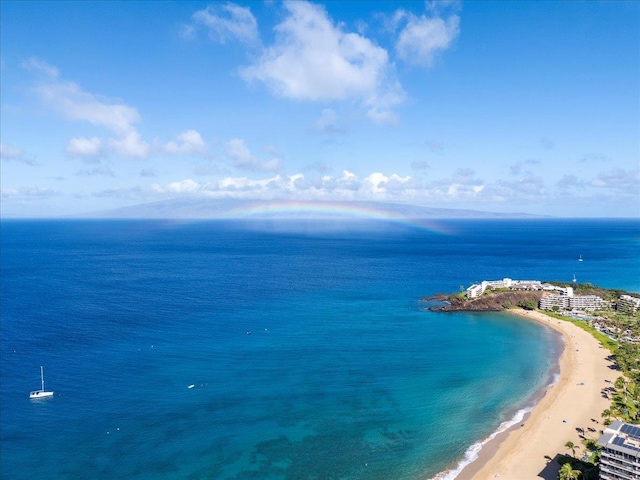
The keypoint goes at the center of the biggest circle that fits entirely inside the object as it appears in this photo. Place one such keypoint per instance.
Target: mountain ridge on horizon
(226, 208)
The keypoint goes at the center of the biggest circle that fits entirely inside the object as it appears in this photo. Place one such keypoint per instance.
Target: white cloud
(243, 159)
(10, 153)
(314, 59)
(130, 145)
(380, 183)
(184, 186)
(84, 147)
(619, 179)
(225, 22)
(462, 187)
(41, 66)
(70, 101)
(423, 37)
(188, 143)
(14, 154)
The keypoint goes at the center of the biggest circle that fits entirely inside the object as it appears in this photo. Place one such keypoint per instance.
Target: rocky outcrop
(491, 302)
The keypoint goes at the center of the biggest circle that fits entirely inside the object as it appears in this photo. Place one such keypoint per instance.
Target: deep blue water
(343, 375)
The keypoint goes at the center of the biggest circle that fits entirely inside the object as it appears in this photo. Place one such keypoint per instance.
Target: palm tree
(570, 445)
(567, 472)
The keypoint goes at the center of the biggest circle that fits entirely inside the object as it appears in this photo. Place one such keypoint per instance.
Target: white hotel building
(564, 299)
(628, 304)
(478, 289)
(620, 458)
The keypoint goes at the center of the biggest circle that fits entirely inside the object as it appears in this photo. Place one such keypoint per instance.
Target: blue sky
(498, 106)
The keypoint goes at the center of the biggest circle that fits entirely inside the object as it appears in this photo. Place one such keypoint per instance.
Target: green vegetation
(588, 289)
(572, 468)
(567, 472)
(528, 304)
(592, 449)
(607, 342)
(626, 400)
(628, 358)
(571, 446)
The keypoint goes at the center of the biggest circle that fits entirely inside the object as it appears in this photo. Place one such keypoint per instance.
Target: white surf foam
(471, 455)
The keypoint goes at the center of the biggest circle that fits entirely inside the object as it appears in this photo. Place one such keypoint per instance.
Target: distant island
(230, 208)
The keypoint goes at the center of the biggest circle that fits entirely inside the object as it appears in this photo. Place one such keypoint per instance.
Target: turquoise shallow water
(309, 352)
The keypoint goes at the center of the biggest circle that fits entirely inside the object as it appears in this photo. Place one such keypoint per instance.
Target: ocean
(275, 349)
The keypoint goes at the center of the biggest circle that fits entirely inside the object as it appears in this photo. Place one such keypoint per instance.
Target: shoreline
(528, 447)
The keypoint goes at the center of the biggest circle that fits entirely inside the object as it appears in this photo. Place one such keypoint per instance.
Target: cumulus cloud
(225, 22)
(130, 145)
(72, 102)
(84, 147)
(422, 37)
(187, 143)
(13, 154)
(314, 59)
(243, 159)
(68, 99)
(620, 180)
(376, 186)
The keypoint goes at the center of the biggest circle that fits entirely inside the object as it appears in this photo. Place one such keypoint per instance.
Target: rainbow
(333, 210)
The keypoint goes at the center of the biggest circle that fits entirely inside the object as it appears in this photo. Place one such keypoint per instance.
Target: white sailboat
(574, 278)
(42, 392)
(580, 259)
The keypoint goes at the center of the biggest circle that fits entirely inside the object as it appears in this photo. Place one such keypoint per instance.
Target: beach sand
(528, 450)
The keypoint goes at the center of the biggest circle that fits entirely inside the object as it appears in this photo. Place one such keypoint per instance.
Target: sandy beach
(574, 403)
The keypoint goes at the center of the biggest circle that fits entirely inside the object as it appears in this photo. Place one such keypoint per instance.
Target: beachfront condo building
(628, 304)
(620, 459)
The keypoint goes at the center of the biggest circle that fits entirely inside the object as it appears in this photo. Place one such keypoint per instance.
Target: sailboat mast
(42, 376)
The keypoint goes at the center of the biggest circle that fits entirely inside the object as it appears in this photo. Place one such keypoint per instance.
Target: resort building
(566, 300)
(628, 304)
(550, 301)
(620, 459)
(478, 289)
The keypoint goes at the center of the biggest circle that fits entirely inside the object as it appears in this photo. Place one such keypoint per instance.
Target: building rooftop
(622, 437)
